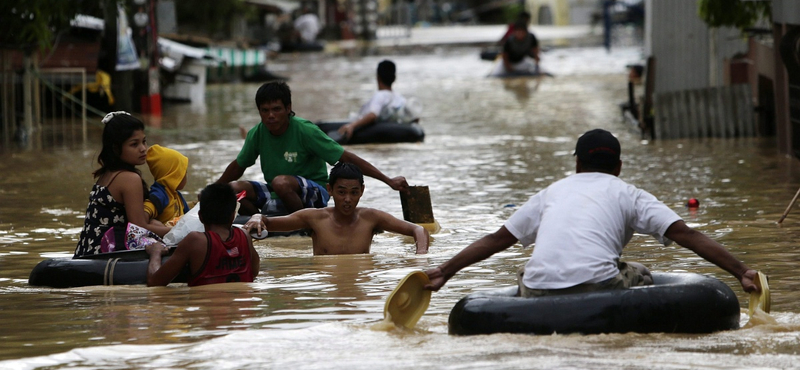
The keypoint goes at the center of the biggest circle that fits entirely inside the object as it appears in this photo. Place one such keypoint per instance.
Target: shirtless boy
(344, 228)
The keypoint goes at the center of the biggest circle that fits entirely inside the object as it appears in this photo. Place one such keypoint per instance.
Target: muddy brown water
(490, 144)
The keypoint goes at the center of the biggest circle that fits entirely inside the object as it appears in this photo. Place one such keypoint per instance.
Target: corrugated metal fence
(711, 112)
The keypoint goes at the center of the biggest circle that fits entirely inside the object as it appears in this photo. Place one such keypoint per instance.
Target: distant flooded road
(490, 144)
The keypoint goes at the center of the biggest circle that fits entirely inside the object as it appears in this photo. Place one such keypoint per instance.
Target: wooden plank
(700, 113)
(745, 109)
(658, 119)
(738, 110)
(728, 103)
(724, 117)
(675, 119)
(682, 111)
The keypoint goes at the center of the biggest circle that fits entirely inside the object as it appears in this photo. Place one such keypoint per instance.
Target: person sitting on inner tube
(519, 49)
(293, 153)
(522, 17)
(221, 254)
(385, 105)
(580, 225)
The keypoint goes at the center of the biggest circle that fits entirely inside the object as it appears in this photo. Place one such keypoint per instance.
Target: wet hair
(343, 170)
(274, 91)
(119, 127)
(217, 204)
(386, 72)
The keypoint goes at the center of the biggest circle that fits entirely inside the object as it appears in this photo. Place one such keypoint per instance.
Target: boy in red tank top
(221, 254)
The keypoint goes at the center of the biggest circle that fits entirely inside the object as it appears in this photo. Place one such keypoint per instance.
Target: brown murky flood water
(490, 144)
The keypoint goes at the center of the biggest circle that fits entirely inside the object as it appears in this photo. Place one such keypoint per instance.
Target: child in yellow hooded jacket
(169, 168)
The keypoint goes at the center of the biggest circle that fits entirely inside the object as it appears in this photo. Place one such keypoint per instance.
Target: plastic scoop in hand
(409, 300)
(760, 299)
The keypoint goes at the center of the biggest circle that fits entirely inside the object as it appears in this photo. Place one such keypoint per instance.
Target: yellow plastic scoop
(409, 300)
(760, 300)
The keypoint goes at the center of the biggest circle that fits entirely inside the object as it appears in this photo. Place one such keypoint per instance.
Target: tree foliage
(27, 24)
(733, 13)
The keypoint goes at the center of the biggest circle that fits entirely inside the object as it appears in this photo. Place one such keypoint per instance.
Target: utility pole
(146, 36)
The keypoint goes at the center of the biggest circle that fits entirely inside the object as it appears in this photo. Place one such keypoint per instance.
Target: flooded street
(490, 144)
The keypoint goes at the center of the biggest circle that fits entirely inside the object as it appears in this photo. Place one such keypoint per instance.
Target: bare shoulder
(373, 213)
(193, 240)
(313, 213)
(127, 180)
(128, 176)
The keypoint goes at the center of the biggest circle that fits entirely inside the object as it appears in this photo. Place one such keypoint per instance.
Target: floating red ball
(693, 203)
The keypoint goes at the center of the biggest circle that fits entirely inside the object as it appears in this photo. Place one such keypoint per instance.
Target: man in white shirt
(384, 106)
(307, 25)
(580, 225)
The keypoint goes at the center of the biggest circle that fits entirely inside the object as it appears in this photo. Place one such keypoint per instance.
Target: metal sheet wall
(680, 42)
(786, 11)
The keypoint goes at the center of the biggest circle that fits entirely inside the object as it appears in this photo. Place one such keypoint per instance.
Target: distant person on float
(520, 53)
(221, 254)
(169, 169)
(293, 153)
(115, 217)
(522, 17)
(344, 228)
(384, 106)
(307, 26)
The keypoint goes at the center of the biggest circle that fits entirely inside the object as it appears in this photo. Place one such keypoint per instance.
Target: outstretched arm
(397, 183)
(535, 54)
(713, 252)
(158, 274)
(347, 130)
(506, 62)
(295, 221)
(390, 223)
(255, 260)
(232, 173)
(477, 251)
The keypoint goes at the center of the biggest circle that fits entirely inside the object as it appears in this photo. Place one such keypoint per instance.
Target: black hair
(118, 128)
(386, 72)
(524, 15)
(217, 204)
(274, 91)
(638, 69)
(343, 170)
(520, 25)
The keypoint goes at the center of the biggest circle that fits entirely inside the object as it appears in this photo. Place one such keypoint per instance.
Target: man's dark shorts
(312, 195)
(628, 276)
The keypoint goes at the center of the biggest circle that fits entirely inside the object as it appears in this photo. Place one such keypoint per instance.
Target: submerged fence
(37, 107)
(395, 22)
(713, 112)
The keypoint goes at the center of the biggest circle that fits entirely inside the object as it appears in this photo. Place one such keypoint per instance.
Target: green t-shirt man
(302, 150)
